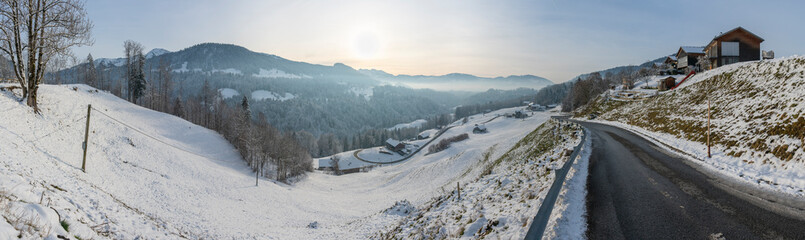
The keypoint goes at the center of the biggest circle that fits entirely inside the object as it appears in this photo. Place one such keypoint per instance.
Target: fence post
(458, 190)
(85, 145)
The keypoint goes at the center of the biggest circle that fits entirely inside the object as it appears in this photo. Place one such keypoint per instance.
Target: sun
(366, 44)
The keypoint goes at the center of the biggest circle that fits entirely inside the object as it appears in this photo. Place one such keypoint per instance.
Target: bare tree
(334, 163)
(704, 63)
(166, 86)
(32, 32)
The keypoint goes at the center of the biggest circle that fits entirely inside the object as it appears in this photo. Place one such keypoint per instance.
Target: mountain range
(232, 59)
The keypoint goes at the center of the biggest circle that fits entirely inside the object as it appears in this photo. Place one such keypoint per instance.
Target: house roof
(392, 142)
(692, 49)
(738, 29)
(481, 127)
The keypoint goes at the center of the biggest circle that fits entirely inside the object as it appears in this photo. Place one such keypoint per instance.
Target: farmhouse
(394, 145)
(479, 129)
(736, 45)
(423, 135)
(687, 57)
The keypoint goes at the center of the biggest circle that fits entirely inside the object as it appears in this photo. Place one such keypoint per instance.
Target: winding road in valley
(637, 190)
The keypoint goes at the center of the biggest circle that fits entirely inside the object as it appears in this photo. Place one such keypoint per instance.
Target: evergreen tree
(178, 109)
(90, 73)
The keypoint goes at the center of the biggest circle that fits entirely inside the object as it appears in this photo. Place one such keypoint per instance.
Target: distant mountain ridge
(479, 83)
(617, 69)
(211, 58)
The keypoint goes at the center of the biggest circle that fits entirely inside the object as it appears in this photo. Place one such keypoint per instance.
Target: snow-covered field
(276, 73)
(260, 95)
(227, 71)
(141, 187)
(228, 93)
(366, 92)
(415, 124)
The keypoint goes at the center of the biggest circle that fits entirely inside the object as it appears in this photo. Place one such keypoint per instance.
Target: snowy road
(638, 191)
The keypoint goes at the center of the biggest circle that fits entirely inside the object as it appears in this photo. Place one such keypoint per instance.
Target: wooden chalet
(394, 145)
(736, 45)
(670, 62)
(687, 57)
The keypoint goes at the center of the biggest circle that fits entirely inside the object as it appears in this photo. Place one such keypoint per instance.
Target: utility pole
(86, 140)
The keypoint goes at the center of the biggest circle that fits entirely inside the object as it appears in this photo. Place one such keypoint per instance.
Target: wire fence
(155, 138)
(59, 129)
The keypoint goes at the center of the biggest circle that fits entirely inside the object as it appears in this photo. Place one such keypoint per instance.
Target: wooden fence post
(458, 190)
(86, 140)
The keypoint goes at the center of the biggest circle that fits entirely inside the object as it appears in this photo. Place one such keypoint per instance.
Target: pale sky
(553, 39)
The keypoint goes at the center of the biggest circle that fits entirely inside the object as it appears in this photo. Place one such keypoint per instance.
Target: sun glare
(366, 44)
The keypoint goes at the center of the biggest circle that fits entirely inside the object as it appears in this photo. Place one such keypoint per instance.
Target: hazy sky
(554, 39)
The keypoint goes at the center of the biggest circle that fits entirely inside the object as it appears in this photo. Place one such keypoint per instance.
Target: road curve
(438, 134)
(638, 191)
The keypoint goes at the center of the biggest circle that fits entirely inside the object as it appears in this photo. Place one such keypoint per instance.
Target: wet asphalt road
(637, 191)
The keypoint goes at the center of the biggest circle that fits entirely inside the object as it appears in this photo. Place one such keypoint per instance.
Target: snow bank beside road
(500, 200)
(569, 217)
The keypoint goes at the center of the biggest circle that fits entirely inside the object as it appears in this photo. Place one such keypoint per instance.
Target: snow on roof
(692, 49)
(737, 29)
(392, 142)
(481, 127)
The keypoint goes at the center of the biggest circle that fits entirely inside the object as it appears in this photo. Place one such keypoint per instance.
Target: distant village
(733, 46)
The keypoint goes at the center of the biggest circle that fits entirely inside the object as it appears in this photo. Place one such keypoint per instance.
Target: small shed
(520, 114)
(394, 145)
(479, 129)
(423, 135)
(666, 83)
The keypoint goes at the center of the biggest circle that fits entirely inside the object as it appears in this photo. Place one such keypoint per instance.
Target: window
(730, 49)
(729, 60)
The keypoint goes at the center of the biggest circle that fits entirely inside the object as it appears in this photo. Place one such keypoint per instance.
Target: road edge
(779, 202)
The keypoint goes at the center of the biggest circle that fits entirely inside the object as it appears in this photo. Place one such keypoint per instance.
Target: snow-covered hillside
(505, 194)
(139, 186)
(758, 120)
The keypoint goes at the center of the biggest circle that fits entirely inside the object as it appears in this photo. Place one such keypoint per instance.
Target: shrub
(445, 143)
